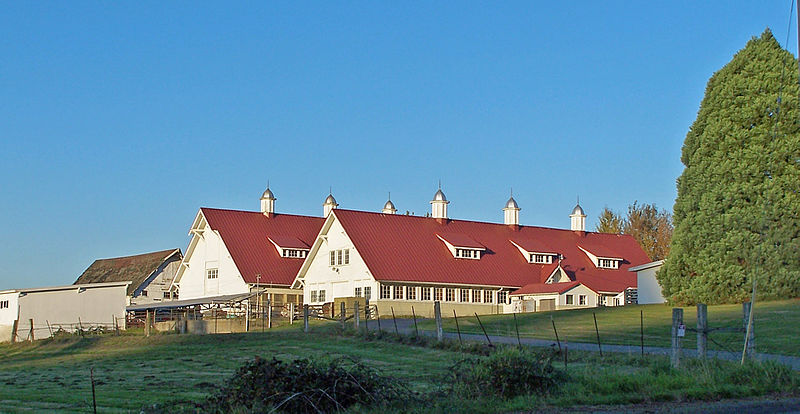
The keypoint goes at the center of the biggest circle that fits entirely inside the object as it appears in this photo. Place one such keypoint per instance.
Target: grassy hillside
(775, 326)
(134, 371)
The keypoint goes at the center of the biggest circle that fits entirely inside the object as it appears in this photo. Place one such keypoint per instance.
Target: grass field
(777, 326)
(133, 372)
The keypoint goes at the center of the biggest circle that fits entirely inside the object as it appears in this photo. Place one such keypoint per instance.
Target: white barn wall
(322, 276)
(8, 315)
(210, 252)
(649, 288)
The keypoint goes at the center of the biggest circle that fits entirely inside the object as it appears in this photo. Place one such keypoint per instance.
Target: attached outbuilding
(36, 313)
(649, 289)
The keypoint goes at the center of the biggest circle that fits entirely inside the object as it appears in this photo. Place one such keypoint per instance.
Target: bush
(302, 385)
(505, 373)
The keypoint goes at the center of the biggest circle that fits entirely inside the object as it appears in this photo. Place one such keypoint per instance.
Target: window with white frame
(144, 293)
(167, 295)
(313, 296)
(450, 295)
(333, 257)
(468, 253)
(411, 293)
(608, 263)
(476, 295)
(346, 256)
(570, 300)
(541, 258)
(464, 295)
(212, 273)
(437, 294)
(321, 296)
(426, 292)
(582, 300)
(357, 292)
(386, 292)
(340, 257)
(488, 296)
(398, 292)
(368, 292)
(3, 304)
(502, 296)
(295, 253)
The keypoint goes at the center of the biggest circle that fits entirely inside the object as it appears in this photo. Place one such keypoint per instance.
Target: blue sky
(119, 120)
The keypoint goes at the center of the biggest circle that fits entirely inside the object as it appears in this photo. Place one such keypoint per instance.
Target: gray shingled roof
(135, 269)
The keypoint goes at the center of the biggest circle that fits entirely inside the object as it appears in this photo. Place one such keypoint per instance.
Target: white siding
(338, 280)
(210, 253)
(649, 288)
(8, 315)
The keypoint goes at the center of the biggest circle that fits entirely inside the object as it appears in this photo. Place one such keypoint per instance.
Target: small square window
(322, 296)
(386, 292)
(476, 295)
(411, 293)
(582, 300)
(368, 292)
(357, 292)
(464, 295)
(426, 293)
(570, 299)
(437, 294)
(450, 295)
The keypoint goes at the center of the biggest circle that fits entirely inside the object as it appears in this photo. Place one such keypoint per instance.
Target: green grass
(133, 372)
(775, 326)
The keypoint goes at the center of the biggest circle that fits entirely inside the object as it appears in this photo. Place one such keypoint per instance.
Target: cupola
(511, 212)
(389, 208)
(439, 204)
(577, 218)
(329, 204)
(268, 202)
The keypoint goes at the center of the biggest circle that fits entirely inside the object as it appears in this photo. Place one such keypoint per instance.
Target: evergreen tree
(609, 222)
(737, 215)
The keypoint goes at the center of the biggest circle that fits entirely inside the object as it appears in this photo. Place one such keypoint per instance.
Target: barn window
(313, 296)
(212, 273)
(357, 292)
(476, 295)
(411, 293)
(368, 292)
(608, 263)
(450, 295)
(333, 257)
(322, 296)
(426, 293)
(582, 300)
(166, 295)
(144, 293)
(346, 256)
(488, 296)
(4, 304)
(570, 300)
(398, 292)
(502, 296)
(464, 295)
(386, 292)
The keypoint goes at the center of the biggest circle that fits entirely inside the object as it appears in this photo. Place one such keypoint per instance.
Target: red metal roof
(534, 246)
(460, 240)
(246, 234)
(545, 288)
(406, 249)
(288, 242)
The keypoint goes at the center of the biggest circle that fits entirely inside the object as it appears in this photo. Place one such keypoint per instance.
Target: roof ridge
(258, 212)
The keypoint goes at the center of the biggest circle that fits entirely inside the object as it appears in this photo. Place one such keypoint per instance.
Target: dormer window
(462, 246)
(541, 258)
(296, 253)
(607, 263)
(468, 253)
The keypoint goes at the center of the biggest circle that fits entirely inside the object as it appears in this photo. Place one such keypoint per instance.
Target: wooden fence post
(31, 335)
(677, 321)
(356, 311)
(269, 311)
(14, 331)
(395, 321)
(437, 313)
(455, 318)
(342, 315)
(305, 318)
(414, 315)
(702, 330)
(147, 322)
(366, 315)
(749, 328)
(291, 313)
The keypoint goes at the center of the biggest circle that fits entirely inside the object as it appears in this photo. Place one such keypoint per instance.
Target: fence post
(437, 313)
(455, 318)
(677, 320)
(596, 331)
(291, 313)
(14, 331)
(641, 330)
(341, 316)
(269, 311)
(32, 338)
(516, 328)
(702, 330)
(147, 323)
(414, 315)
(395, 321)
(366, 315)
(305, 318)
(749, 334)
(355, 315)
(489, 341)
(555, 331)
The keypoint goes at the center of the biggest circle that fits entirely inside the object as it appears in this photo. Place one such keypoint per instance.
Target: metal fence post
(702, 330)
(355, 315)
(341, 317)
(305, 318)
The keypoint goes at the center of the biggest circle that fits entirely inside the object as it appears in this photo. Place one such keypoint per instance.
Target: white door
(212, 282)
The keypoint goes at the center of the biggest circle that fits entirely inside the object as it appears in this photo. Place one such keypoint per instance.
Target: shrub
(304, 385)
(506, 373)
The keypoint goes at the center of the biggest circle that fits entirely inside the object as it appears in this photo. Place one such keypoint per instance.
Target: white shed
(649, 288)
(67, 308)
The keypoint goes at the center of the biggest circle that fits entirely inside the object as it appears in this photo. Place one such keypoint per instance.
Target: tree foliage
(609, 222)
(651, 227)
(737, 211)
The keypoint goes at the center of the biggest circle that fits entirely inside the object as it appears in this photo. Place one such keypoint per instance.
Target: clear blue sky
(119, 120)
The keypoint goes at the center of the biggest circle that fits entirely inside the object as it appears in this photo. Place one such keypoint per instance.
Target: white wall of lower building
(8, 314)
(210, 253)
(649, 288)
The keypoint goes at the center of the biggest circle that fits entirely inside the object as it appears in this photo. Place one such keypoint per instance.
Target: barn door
(547, 305)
